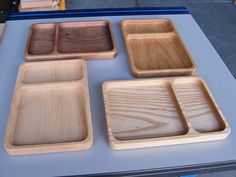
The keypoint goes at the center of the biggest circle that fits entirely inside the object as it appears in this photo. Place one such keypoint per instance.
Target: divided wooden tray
(84, 39)
(50, 109)
(155, 48)
(164, 111)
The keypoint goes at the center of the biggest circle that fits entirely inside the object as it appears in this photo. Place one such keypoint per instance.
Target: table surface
(101, 158)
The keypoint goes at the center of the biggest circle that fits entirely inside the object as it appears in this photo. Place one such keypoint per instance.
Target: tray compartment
(42, 39)
(52, 72)
(198, 106)
(84, 37)
(52, 114)
(160, 52)
(153, 112)
(147, 26)
(50, 109)
(68, 40)
(138, 112)
(155, 49)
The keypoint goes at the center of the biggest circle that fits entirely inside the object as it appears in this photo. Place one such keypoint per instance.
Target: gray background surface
(100, 158)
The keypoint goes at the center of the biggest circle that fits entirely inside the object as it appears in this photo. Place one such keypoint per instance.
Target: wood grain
(50, 109)
(159, 52)
(42, 41)
(38, 72)
(140, 112)
(156, 112)
(147, 26)
(155, 49)
(47, 115)
(201, 112)
(75, 39)
(84, 39)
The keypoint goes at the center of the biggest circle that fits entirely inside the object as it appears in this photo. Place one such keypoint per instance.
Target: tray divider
(55, 51)
(149, 35)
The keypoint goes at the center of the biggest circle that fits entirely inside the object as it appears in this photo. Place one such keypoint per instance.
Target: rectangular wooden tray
(84, 39)
(155, 48)
(164, 111)
(50, 109)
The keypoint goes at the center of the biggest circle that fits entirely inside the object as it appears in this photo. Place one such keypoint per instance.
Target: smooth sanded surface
(42, 40)
(143, 110)
(49, 115)
(209, 66)
(75, 39)
(159, 52)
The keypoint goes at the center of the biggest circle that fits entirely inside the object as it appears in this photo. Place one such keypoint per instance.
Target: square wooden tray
(50, 109)
(164, 111)
(155, 48)
(84, 39)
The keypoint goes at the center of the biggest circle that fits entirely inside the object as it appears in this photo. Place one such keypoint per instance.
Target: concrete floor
(217, 19)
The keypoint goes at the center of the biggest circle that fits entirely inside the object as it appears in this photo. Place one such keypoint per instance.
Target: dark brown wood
(74, 39)
(85, 39)
(42, 39)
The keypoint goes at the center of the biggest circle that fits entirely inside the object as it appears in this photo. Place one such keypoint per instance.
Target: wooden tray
(84, 39)
(50, 109)
(156, 112)
(156, 49)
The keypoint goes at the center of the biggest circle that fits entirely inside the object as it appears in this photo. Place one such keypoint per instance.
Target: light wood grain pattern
(156, 112)
(197, 106)
(35, 3)
(84, 39)
(50, 109)
(58, 72)
(155, 49)
(140, 112)
(147, 26)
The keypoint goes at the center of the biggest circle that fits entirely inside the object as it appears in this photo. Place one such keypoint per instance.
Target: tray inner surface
(42, 39)
(155, 48)
(139, 111)
(58, 72)
(84, 38)
(158, 52)
(162, 108)
(50, 108)
(197, 106)
(48, 115)
(147, 26)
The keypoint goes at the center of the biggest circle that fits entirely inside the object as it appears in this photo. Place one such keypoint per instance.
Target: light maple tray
(164, 111)
(50, 109)
(84, 39)
(155, 48)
